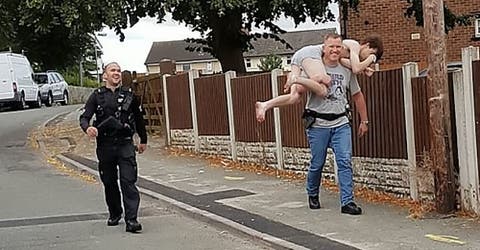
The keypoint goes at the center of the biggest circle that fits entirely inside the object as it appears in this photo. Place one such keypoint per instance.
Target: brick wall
(387, 18)
(390, 175)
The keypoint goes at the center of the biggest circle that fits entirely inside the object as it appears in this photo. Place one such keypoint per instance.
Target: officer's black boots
(133, 226)
(113, 221)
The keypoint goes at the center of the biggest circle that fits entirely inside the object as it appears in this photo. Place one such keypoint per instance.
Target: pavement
(259, 206)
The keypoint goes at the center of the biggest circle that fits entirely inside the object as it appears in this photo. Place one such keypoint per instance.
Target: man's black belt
(114, 139)
(324, 116)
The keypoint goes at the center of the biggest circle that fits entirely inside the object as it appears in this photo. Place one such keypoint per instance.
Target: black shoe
(113, 220)
(133, 226)
(313, 202)
(351, 208)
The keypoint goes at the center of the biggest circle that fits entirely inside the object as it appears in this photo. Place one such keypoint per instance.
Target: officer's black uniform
(115, 145)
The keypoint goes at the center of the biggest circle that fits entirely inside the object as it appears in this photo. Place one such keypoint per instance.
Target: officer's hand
(362, 129)
(92, 131)
(142, 148)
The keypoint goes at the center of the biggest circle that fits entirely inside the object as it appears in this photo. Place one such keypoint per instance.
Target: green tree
(6, 25)
(225, 24)
(270, 63)
(54, 34)
(415, 10)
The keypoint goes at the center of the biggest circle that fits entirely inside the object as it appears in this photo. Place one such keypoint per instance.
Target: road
(44, 208)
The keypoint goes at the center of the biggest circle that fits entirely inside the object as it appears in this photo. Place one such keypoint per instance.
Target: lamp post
(97, 42)
(96, 64)
(81, 71)
(344, 9)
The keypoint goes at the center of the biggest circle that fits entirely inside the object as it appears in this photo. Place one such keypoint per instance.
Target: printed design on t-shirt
(337, 88)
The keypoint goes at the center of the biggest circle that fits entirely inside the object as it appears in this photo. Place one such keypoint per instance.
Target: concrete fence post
(410, 70)
(468, 160)
(276, 118)
(231, 124)
(166, 111)
(192, 74)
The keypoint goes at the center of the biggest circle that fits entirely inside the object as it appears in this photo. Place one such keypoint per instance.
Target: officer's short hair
(110, 64)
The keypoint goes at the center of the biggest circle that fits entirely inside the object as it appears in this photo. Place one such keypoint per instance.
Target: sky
(132, 52)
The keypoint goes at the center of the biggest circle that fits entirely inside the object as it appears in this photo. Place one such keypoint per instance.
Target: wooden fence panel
(211, 102)
(476, 91)
(453, 125)
(245, 92)
(386, 133)
(293, 132)
(150, 93)
(421, 114)
(180, 112)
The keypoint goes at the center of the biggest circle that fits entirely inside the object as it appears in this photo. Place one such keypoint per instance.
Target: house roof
(175, 50)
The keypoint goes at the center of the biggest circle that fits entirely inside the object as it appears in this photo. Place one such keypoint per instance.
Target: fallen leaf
(234, 178)
(445, 238)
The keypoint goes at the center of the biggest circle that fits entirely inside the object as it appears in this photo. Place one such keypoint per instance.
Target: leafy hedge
(72, 77)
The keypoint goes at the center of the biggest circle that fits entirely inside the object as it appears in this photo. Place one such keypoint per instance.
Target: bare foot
(260, 111)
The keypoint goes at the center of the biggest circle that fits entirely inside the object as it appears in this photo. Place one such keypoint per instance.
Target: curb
(270, 240)
(193, 212)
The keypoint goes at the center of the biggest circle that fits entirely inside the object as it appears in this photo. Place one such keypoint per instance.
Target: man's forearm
(361, 106)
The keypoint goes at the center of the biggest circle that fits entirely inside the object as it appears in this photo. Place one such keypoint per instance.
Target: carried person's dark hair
(375, 42)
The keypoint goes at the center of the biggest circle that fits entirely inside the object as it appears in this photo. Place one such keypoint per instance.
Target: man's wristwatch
(364, 122)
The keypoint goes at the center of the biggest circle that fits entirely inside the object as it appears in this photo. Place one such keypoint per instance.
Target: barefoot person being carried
(356, 56)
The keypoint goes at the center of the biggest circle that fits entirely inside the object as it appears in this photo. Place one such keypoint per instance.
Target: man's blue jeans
(340, 140)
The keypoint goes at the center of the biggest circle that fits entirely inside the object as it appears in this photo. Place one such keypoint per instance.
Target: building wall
(255, 63)
(153, 68)
(403, 40)
(202, 66)
(217, 67)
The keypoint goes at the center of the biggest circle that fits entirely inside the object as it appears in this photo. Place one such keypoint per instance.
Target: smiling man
(118, 116)
(327, 125)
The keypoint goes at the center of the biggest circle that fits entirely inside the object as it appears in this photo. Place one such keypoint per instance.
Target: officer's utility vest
(123, 113)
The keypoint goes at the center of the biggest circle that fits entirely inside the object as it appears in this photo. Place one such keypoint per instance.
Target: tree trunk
(229, 41)
(231, 59)
(440, 152)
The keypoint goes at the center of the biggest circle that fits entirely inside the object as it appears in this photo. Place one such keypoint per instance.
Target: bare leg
(295, 71)
(317, 88)
(282, 100)
(315, 70)
(318, 80)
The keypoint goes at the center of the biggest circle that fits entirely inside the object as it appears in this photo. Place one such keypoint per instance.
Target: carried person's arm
(354, 48)
(346, 63)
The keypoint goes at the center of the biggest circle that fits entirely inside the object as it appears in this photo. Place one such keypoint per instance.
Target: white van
(17, 88)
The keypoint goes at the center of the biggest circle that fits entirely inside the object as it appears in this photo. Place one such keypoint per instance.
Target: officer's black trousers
(122, 155)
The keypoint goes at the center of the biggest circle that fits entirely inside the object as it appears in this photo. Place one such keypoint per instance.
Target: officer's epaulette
(127, 89)
(100, 90)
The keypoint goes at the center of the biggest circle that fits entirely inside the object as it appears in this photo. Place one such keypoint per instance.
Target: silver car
(53, 88)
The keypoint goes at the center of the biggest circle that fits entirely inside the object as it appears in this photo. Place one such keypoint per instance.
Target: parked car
(53, 88)
(17, 88)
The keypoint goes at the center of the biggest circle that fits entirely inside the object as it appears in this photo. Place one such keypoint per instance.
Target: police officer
(118, 116)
